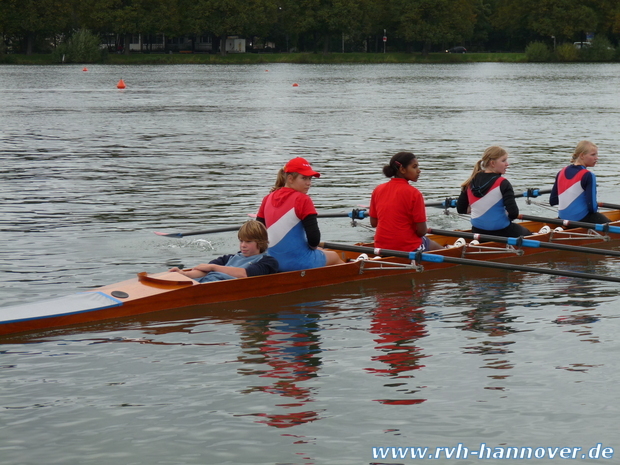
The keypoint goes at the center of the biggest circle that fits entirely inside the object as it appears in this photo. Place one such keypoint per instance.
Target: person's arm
(553, 197)
(588, 182)
(462, 204)
(510, 204)
(200, 270)
(234, 271)
(313, 234)
(266, 265)
(374, 221)
(421, 229)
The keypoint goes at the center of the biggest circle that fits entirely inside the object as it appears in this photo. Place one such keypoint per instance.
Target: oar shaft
(436, 258)
(356, 214)
(195, 233)
(523, 242)
(609, 205)
(451, 202)
(574, 224)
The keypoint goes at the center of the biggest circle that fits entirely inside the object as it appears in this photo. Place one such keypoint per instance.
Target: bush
(81, 47)
(567, 52)
(600, 50)
(537, 52)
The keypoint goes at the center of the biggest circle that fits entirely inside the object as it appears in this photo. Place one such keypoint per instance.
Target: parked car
(458, 49)
(580, 45)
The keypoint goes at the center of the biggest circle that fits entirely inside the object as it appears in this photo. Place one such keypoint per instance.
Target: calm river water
(88, 172)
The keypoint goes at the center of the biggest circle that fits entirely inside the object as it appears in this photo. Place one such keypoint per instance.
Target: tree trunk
(223, 44)
(29, 42)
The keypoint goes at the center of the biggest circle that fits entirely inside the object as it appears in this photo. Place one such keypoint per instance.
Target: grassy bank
(251, 58)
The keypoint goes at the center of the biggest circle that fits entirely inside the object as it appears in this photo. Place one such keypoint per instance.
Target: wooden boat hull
(148, 293)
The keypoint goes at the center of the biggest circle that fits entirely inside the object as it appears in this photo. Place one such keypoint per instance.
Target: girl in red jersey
(397, 208)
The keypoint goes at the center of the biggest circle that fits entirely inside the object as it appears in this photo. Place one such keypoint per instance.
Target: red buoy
(121, 84)
(85, 69)
(295, 85)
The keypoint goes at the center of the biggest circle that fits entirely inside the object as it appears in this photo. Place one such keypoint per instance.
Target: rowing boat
(148, 293)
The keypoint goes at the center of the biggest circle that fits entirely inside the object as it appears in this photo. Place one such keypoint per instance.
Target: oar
(436, 258)
(522, 242)
(573, 224)
(195, 233)
(609, 205)
(356, 214)
(451, 203)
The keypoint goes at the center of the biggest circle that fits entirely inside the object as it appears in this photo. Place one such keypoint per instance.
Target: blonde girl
(574, 190)
(489, 197)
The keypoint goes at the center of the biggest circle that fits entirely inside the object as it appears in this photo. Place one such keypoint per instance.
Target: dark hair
(403, 159)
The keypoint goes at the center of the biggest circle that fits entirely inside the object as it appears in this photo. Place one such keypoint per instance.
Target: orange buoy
(295, 85)
(121, 84)
(85, 69)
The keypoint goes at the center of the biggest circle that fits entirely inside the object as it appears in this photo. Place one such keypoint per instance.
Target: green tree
(434, 21)
(564, 19)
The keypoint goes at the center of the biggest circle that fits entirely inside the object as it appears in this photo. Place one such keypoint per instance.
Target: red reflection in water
(285, 349)
(397, 326)
(400, 402)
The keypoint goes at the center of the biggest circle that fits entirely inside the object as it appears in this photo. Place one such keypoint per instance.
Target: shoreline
(260, 58)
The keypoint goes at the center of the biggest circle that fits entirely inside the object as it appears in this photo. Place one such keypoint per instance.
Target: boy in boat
(250, 261)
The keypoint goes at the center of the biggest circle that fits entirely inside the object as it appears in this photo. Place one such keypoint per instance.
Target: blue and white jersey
(572, 197)
(488, 212)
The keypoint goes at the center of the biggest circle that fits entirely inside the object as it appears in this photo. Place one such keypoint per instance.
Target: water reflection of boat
(164, 291)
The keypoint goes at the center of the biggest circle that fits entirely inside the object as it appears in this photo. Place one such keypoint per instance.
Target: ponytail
(281, 179)
(495, 152)
(582, 147)
(400, 160)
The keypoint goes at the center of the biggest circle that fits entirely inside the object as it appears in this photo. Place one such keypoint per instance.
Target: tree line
(36, 26)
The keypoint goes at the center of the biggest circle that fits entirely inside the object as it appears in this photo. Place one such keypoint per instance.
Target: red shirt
(398, 207)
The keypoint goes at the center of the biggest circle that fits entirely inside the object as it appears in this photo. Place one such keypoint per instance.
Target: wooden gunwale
(148, 293)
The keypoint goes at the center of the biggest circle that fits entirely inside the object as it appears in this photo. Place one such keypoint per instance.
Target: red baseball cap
(301, 166)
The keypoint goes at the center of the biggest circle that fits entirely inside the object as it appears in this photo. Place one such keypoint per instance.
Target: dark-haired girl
(397, 208)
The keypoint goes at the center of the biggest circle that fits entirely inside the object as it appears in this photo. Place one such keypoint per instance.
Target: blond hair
(254, 231)
(495, 152)
(584, 146)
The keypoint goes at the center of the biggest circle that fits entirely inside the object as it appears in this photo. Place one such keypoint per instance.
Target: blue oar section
(531, 193)
(520, 242)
